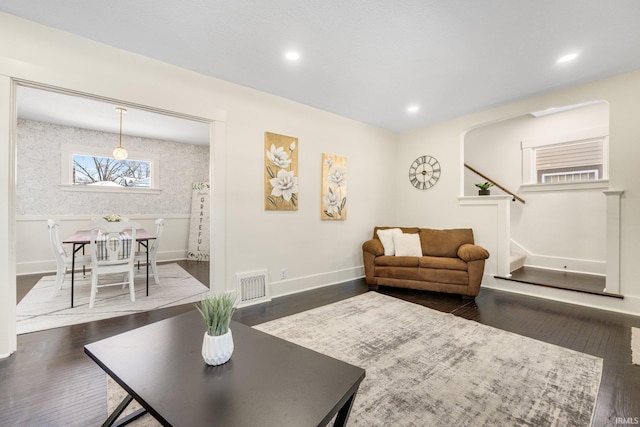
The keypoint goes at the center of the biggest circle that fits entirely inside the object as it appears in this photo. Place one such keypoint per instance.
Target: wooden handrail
(494, 183)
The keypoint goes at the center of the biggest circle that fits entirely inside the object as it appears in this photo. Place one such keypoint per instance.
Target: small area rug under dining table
(40, 310)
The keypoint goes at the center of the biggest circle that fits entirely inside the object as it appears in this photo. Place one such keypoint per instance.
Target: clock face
(424, 172)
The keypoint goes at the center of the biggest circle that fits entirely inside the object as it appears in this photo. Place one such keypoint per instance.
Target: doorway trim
(8, 128)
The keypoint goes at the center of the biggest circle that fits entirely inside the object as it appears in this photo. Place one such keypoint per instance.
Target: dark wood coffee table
(267, 382)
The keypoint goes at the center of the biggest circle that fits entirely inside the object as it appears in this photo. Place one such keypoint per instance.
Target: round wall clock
(424, 172)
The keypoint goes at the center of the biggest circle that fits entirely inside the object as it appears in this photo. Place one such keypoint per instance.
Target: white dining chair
(64, 262)
(112, 252)
(141, 256)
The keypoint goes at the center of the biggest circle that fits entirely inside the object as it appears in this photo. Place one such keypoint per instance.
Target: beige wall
(244, 236)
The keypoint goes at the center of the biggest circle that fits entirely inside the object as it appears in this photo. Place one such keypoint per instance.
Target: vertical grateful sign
(199, 227)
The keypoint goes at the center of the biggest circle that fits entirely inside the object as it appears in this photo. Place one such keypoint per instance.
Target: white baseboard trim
(49, 266)
(574, 265)
(299, 284)
(627, 305)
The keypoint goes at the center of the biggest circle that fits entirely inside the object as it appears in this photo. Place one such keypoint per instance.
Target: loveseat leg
(373, 287)
(468, 297)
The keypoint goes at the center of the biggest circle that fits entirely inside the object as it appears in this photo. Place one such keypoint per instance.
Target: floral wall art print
(334, 188)
(280, 172)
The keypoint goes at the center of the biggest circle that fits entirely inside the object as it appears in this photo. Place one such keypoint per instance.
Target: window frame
(66, 169)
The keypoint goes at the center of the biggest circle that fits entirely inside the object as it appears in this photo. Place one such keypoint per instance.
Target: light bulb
(120, 153)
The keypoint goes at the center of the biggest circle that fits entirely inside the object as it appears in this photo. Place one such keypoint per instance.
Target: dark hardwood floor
(49, 381)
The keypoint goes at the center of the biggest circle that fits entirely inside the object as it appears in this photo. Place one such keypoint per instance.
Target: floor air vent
(252, 287)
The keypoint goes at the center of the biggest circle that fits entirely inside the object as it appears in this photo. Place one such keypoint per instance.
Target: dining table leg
(73, 270)
(76, 248)
(148, 268)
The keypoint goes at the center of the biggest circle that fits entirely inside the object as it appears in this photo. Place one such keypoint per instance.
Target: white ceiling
(87, 113)
(370, 59)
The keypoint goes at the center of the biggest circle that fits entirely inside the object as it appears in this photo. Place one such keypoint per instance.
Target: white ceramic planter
(217, 350)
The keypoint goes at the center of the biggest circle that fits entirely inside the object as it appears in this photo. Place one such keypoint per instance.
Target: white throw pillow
(386, 237)
(407, 245)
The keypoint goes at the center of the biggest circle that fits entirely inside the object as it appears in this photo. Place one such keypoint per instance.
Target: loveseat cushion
(406, 273)
(444, 243)
(438, 275)
(397, 261)
(442, 263)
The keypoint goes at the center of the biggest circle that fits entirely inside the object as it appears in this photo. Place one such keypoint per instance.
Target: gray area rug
(115, 394)
(426, 368)
(40, 310)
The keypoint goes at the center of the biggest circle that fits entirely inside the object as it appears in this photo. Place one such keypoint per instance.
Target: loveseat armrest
(469, 252)
(370, 250)
(374, 247)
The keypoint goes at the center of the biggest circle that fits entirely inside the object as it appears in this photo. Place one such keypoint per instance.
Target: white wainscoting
(33, 251)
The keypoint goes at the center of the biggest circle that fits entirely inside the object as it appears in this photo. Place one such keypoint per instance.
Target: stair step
(516, 261)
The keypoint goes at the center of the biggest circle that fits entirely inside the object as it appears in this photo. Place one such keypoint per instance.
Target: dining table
(81, 238)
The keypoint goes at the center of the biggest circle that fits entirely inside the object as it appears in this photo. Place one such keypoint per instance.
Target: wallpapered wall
(38, 189)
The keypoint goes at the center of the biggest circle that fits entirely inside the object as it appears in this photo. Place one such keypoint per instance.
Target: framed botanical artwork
(280, 172)
(334, 188)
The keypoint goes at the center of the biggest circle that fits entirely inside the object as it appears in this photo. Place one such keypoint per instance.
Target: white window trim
(564, 186)
(529, 175)
(66, 171)
(549, 175)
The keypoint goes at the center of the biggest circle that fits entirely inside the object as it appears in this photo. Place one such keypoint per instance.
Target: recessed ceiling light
(413, 108)
(567, 58)
(292, 56)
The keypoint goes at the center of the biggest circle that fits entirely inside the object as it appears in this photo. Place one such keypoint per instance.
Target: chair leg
(132, 288)
(154, 269)
(59, 280)
(94, 289)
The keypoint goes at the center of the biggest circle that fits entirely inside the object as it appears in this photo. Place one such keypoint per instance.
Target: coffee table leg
(111, 421)
(343, 413)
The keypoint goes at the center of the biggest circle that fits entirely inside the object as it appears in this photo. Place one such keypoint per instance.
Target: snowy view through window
(107, 171)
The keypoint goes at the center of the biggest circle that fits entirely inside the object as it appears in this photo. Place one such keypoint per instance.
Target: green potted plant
(216, 311)
(484, 188)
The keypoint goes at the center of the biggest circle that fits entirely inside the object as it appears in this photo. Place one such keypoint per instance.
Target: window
(573, 162)
(94, 169)
(578, 158)
(568, 176)
(97, 170)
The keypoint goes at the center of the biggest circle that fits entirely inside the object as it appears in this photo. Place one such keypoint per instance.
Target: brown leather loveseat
(442, 261)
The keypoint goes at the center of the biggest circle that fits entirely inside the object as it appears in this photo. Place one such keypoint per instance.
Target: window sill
(590, 185)
(100, 189)
(484, 200)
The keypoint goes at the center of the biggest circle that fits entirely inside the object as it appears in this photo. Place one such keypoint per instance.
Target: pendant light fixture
(120, 153)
